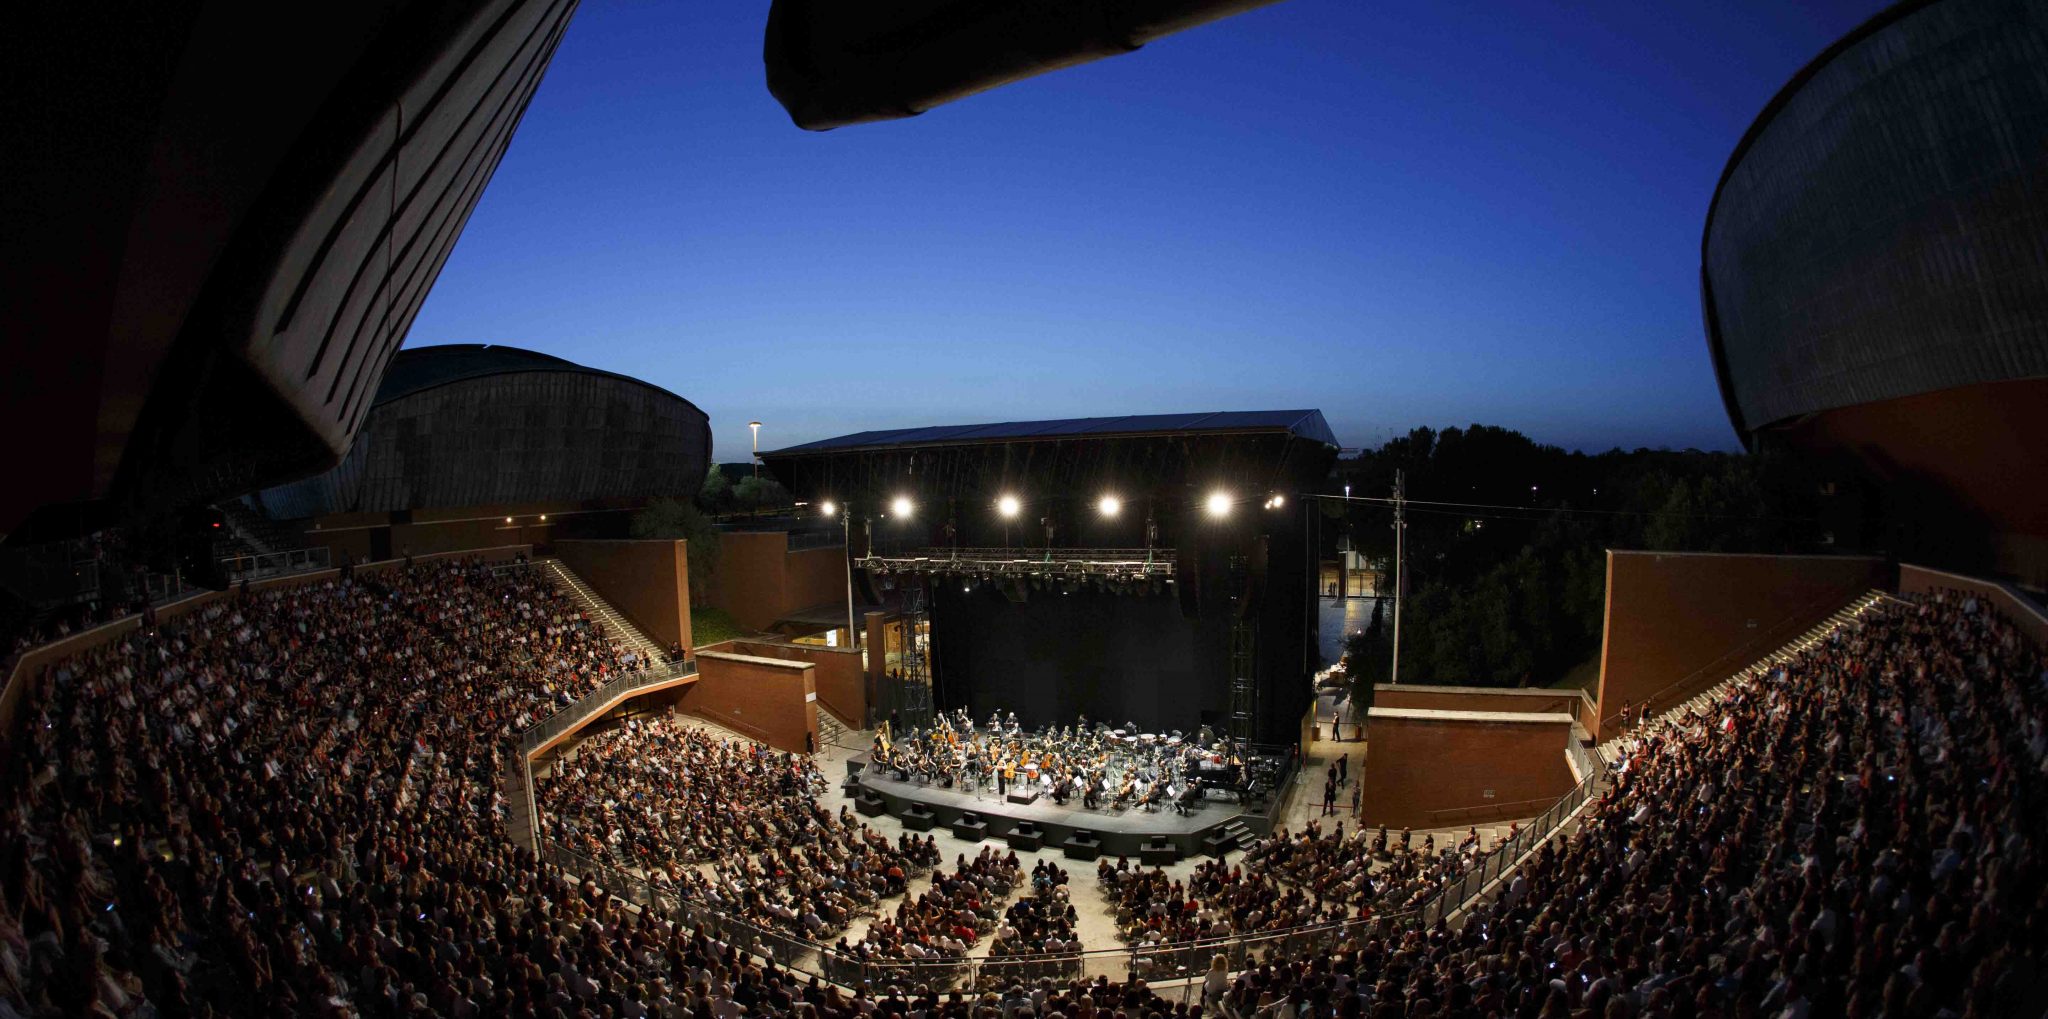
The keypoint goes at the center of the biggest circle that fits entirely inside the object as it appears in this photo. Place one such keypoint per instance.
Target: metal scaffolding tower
(1244, 680)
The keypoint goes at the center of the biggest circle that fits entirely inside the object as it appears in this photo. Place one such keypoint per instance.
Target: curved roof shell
(477, 425)
(1882, 229)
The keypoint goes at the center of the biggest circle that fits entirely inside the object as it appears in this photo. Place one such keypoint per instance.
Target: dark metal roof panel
(416, 369)
(521, 434)
(1307, 424)
(1877, 233)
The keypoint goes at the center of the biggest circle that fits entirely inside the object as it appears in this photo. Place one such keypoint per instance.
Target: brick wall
(1480, 698)
(1435, 769)
(840, 685)
(647, 580)
(1678, 623)
(769, 700)
(759, 580)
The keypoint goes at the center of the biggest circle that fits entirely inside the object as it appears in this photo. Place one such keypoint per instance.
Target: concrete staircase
(521, 820)
(835, 731)
(615, 625)
(1703, 702)
(1239, 834)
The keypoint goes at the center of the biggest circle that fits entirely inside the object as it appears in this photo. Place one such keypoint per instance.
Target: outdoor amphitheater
(1020, 720)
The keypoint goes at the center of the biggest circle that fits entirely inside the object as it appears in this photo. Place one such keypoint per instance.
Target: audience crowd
(287, 803)
(1286, 881)
(658, 796)
(946, 920)
(1041, 923)
(1855, 833)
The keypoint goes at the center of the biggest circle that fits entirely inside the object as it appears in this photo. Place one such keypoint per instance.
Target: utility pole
(1400, 570)
(846, 528)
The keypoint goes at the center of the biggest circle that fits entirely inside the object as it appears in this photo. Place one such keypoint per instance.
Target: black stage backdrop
(1055, 656)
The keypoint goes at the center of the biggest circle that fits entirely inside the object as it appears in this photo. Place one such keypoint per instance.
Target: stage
(1214, 826)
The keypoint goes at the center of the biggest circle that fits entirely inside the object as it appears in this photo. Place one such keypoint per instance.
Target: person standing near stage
(1344, 769)
(1330, 794)
(1356, 792)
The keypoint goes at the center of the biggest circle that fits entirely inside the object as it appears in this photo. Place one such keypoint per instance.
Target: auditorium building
(1874, 276)
(470, 446)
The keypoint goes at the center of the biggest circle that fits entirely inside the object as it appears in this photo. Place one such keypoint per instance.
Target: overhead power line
(1545, 510)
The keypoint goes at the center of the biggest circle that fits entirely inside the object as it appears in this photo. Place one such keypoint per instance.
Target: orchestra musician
(1065, 762)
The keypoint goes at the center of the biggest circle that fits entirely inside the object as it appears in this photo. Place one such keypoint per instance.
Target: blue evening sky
(1401, 213)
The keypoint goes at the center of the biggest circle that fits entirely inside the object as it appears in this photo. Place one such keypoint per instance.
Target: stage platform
(1121, 833)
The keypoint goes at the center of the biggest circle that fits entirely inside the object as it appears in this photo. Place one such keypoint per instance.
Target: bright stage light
(1279, 500)
(1218, 503)
(1008, 506)
(901, 507)
(827, 508)
(1110, 506)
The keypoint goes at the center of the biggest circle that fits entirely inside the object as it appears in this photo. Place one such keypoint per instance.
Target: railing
(800, 541)
(744, 728)
(1761, 646)
(1122, 563)
(1468, 885)
(1185, 960)
(164, 587)
(274, 564)
(1493, 811)
(590, 704)
(1172, 961)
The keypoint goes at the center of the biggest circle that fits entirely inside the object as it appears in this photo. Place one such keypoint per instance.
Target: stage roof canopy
(1306, 424)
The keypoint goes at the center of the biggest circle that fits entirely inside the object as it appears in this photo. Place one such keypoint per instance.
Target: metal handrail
(275, 564)
(1482, 807)
(589, 705)
(1468, 886)
(757, 733)
(817, 958)
(1040, 554)
(803, 541)
(1149, 961)
(1749, 649)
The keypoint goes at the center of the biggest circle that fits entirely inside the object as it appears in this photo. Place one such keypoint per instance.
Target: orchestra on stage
(1102, 767)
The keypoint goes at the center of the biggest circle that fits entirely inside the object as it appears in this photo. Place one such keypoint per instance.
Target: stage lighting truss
(1121, 570)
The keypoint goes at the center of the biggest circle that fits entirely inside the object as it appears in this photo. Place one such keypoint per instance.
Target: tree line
(1506, 542)
(695, 520)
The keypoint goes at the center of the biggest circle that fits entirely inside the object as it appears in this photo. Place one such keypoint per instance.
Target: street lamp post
(756, 426)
